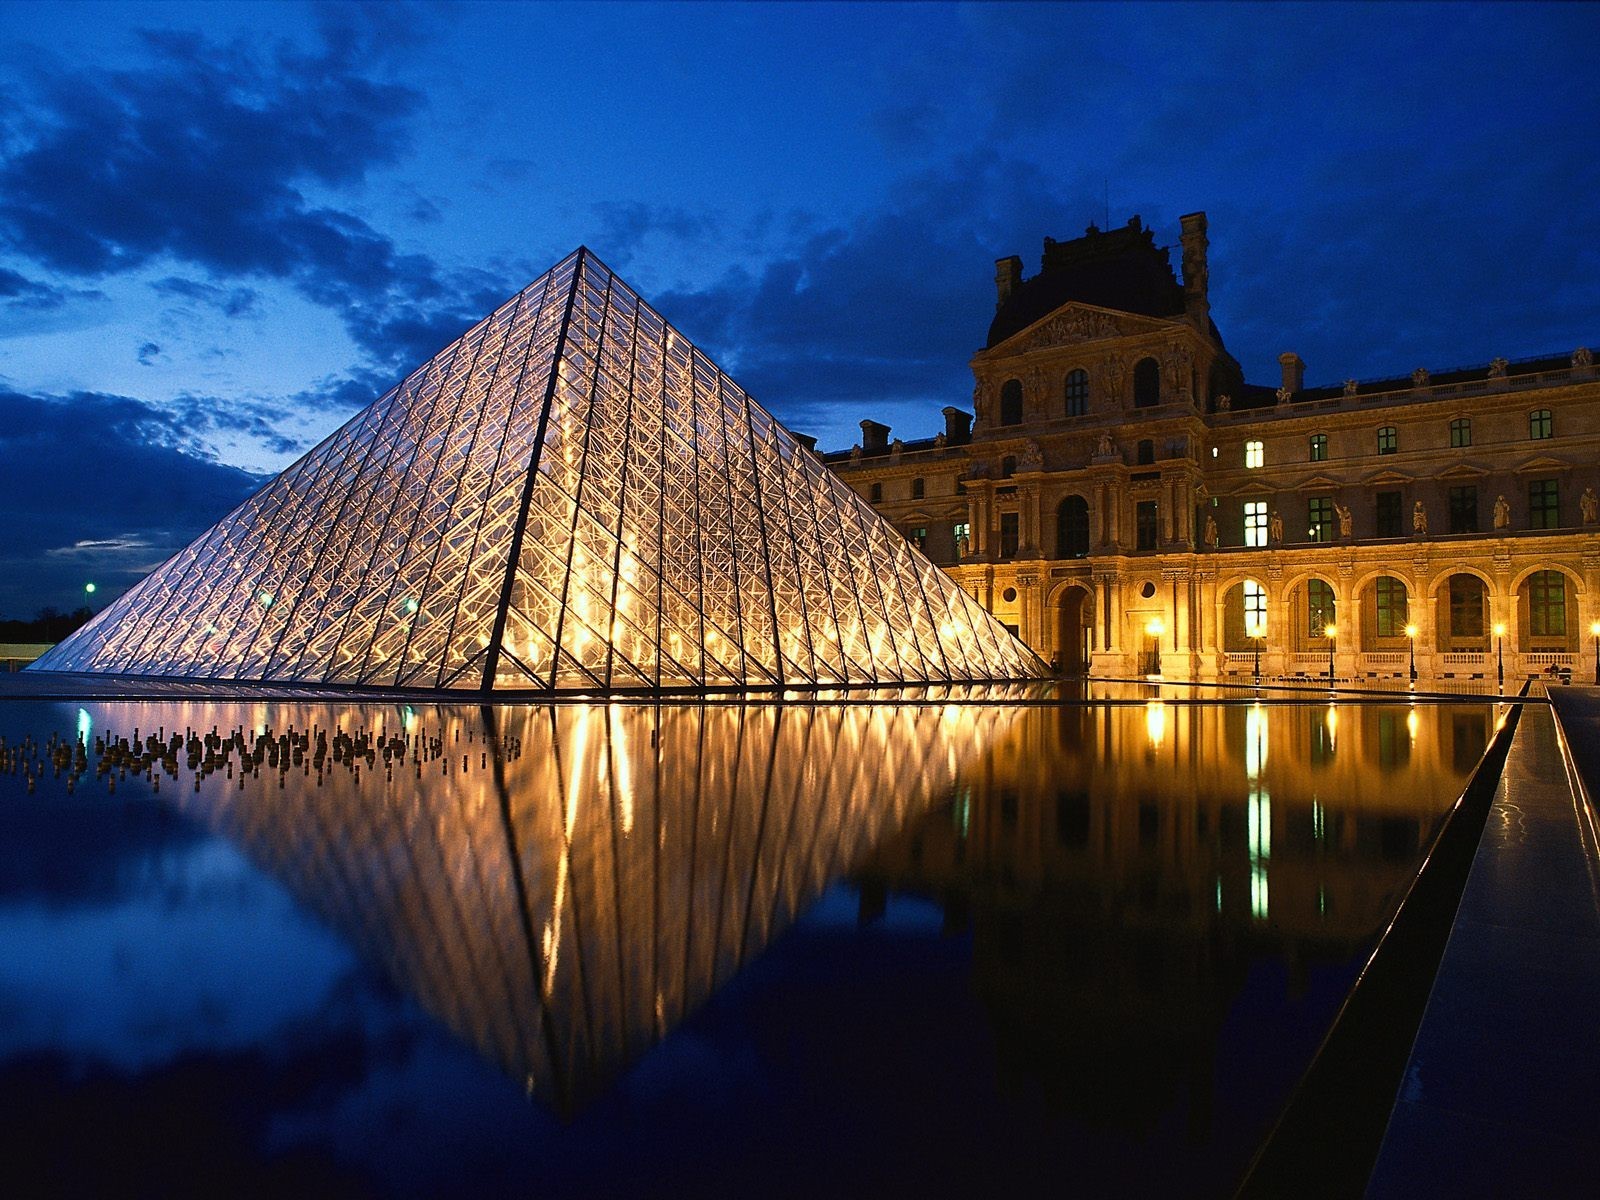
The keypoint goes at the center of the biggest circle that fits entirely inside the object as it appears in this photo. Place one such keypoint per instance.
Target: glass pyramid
(569, 497)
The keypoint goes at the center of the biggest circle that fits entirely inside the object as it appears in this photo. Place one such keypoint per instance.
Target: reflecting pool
(759, 949)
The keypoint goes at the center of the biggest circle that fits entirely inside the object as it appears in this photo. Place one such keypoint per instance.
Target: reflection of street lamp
(1329, 631)
(1500, 652)
(1411, 633)
(1155, 629)
(1594, 629)
(1257, 632)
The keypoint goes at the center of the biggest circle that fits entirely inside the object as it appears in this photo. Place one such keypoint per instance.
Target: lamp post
(1155, 629)
(1329, 632)
(1594, 629)
(1257, 632)
(1500, 654)
(1411, 636)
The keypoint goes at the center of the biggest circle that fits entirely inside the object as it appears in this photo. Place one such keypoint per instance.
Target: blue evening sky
(224, 227)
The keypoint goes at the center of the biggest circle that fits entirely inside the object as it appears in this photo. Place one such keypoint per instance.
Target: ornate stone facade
(1131, 501)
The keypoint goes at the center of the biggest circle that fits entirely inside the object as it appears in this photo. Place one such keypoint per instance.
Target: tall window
(1144, 524)
(916, 489)
(1544, 504)
(1540, 424)
(1388, 440)
(1547, 604)
(1011, 402)
(1464, 509)
(1388, 514)
(1077, 393)
(1147, 383)
(1072, 528)
(1319, 447)
(1319, 518)
(1460, 432)
(919, 537)
(1008, 466)
(877, 493)
(1466, 606)
(1146, 453)
(1010, 526)
(1391, 597)
(1255, 522)
(961, 538)
(1254, 455)
(1319, 608)
(1255, 608)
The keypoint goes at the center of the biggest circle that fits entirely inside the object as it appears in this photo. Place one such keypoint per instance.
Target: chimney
(806, 440)
(1007, 278)
(1294, 371)
(874, 437)
(1196, 300)
(957, 426)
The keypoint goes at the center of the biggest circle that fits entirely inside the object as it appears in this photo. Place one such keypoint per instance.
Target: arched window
(1147, 383)
(1319, 608)
(1011, 402)
(1072, 528)
(1077, 393)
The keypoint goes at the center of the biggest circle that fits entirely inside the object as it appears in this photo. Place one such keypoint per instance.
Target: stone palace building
(1127, 504)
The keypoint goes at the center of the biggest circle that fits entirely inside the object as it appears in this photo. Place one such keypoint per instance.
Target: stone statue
(1212, 537)
(1107, 447)
(1502, 513)
(1498, 368)
(1419, 377)
(1582, 357)
(1343, 514)
(1284, 395)
(939, 440)
(855, 453)
(1224, 402)
(895, 448)
(1589, 503)
(1031, 458)
(1275, 529)
(982, 397)
(1349, 387)
(1419, 518)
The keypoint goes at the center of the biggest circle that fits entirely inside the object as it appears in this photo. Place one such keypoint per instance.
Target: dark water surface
(627, 950)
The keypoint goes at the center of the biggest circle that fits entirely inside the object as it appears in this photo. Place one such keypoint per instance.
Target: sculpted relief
(1077, 325)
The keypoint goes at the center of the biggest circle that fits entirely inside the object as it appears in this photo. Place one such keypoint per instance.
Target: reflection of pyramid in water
(568, 497)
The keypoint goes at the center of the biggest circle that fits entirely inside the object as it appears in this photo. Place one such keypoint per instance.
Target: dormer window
(1011, 402)
(1147, 383)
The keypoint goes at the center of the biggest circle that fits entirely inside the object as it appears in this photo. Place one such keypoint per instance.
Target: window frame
(1255, 455)
(1544, 504)
(1075, 392)
(1390, 610)
(1385, 529)
(1010, 534)
(1319, 448)
(1255, 524)
(1462, 518)
(1547, 605)
(1460, 433)
(1388, 439)
(1541, 424)
(1319, 518)
(1143, 526)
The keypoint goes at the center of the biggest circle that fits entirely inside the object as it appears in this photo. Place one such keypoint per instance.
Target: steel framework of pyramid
(569, 497)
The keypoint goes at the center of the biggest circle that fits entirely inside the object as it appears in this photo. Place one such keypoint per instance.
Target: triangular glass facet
(569, 497)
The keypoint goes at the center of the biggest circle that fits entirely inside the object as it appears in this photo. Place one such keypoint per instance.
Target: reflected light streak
(1155, 723)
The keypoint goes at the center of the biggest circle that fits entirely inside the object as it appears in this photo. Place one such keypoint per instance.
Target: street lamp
(1155, 629)
(1329, 632)
(1500, 653)
(1594, 629)
(1257, 632)
(1411, 634)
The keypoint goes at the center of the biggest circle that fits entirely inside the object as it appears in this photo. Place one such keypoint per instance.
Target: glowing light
(1330, 631)
(1411, 631)
(1156, 627)
(85, 726)
(1499, 629)
(410, 605)
(1594, 628)
(1332, 721)
(266, 599)
(1255, 741)
(1155, 722)
(1412, 724)
(1257, 631)
(89, 587)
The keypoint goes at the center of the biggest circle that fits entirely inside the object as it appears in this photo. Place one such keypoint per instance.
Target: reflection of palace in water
(1122, 869)
(564, 906)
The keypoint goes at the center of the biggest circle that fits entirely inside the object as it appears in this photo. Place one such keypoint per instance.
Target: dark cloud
(18, 292)
(148, 353)
(103, 484)
(229, 301)
(203, 155)
(624, 225)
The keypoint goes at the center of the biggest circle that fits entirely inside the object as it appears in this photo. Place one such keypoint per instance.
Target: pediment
(1543, 462)
(1464, 471)
(1387, 477)
(1074, 323)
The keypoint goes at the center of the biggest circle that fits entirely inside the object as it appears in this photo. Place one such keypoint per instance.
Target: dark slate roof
(1121, 269)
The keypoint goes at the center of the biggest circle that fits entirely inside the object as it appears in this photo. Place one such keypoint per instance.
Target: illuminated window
(1388, 440)
(1464, 509)
(1544, 504)
(1391, 601)
(919, 537)
(1147, 383)
(877, 493)
(1319, 518)
(916, 489)
(1387, 509)
(1254, 455)
(1466, 606)
(1319, 447)
(1255, 606)
(1144, 524)
(1460, 433)
(1255, 522)
(1010, 527)
(1077, 393)
(1011, 402)
(1319, 608)
(960, 537)
(1547, 604)
(1540, 424)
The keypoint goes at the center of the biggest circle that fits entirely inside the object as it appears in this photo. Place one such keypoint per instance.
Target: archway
(1074, 630)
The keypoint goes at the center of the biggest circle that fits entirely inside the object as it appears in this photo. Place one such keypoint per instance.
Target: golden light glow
(1257, 631)
(1156, 627)
(1412, 724)
(1330, 630)
(1499, 629)
(1155, 723)
(1594, 628)
(1411, 631)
